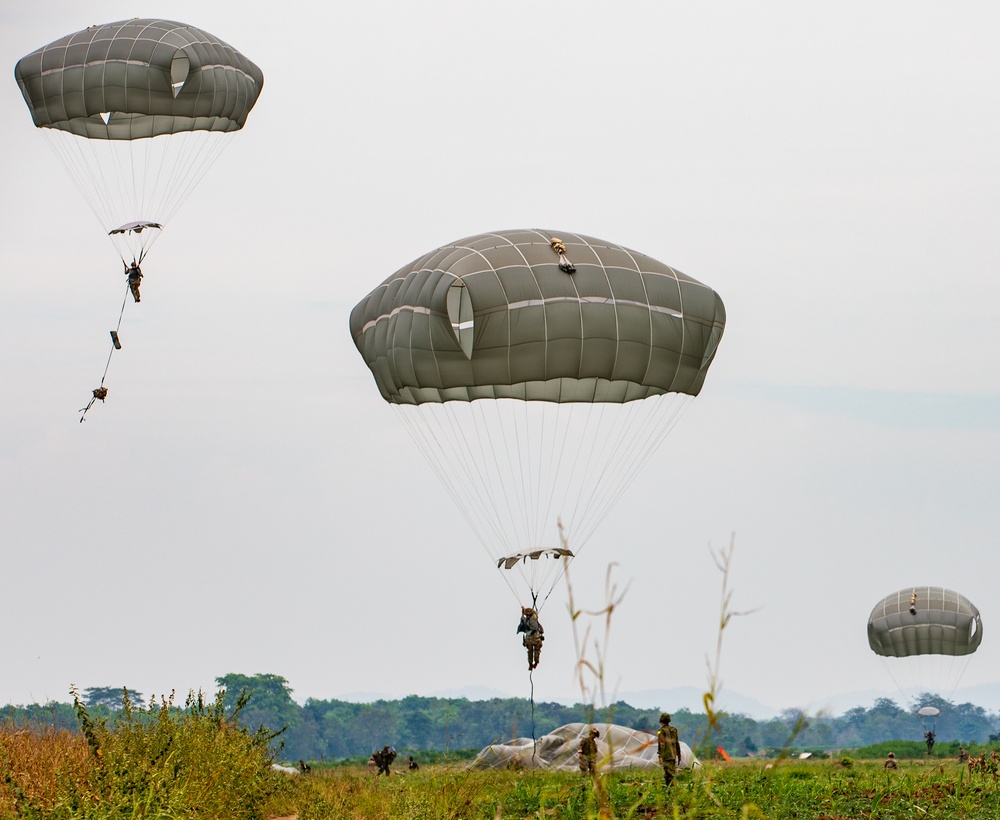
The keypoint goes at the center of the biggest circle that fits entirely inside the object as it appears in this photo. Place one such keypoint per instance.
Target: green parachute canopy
(136, 79)
(537, 371)
(494, 316)
(924, 621)
(137, 111)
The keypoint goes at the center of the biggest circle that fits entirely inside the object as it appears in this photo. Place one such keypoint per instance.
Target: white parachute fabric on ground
(618, 747)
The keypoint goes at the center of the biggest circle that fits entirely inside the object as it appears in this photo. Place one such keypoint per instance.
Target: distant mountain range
(985, 695)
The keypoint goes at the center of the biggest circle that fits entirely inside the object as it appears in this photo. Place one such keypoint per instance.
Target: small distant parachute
(922, 631)
(537, 371)
(924, 621)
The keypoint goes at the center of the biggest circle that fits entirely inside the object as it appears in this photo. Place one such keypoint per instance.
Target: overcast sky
(246, 502)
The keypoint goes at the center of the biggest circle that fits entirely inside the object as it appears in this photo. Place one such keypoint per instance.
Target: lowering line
(534, 740)
(102, 392)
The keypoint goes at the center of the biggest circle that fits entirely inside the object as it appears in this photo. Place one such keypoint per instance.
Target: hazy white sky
(245, 501)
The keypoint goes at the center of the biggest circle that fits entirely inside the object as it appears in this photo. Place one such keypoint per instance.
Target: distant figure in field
(372, 767)
(303, 767)
(533, 635)
(929, 740)
(588, 753)
(963, 756)
(383, 759)
(668, 748)
(413, 765)
(890, 761)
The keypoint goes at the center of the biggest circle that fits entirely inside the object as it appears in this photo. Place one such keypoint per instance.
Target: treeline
(334, 730)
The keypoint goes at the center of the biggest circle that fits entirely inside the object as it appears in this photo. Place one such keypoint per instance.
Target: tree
(110, 697)
(271, 704)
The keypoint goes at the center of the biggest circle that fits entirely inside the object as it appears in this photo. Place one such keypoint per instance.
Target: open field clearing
(189, 766)
(821, 790)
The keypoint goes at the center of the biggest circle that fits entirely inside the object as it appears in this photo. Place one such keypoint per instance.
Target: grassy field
(817, 790)
(192, 763)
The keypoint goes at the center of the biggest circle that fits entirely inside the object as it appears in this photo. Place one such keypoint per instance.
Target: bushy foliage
(159, 761)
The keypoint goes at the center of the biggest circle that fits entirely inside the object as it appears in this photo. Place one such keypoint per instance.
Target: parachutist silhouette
(534, 634)
(134, 278)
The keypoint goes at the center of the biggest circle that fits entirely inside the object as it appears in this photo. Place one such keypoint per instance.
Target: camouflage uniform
(533, 635)
(929, 740)
(668, 748)
(134, 278)
(588, 753)
(383, 759)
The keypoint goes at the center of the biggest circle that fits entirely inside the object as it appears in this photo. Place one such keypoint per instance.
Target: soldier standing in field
(588, 753)
(668, 748)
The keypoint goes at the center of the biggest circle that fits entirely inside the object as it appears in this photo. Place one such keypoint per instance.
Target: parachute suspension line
(435, 446)
(504, 463)
(961, 674)
(658, 424)
(192, 161)
(69, 151)
(436, 442)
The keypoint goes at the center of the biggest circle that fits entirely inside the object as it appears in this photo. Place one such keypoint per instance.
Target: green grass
(810, 790)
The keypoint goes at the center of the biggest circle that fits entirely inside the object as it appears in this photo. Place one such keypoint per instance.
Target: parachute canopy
(495, 316)
(924, 621)
(138, 78)
(618, 747)
(137, 111)
(928, 711)
(509, 561)
(537, 371)
(134, 227)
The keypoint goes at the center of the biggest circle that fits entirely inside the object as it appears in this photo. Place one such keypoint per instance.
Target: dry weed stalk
(723, 561)
(591, 673)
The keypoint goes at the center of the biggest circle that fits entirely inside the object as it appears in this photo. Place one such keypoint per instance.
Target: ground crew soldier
(890, 761)
(134, 278)
(668, 748)
(588, 753)
(533, 635)
(383, 759)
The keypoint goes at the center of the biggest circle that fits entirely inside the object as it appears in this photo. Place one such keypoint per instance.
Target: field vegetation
(206, 760)
(807, 790)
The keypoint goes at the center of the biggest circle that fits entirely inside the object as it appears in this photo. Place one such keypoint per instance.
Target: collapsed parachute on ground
(618, 747)
(924, 621)
(537, 371)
